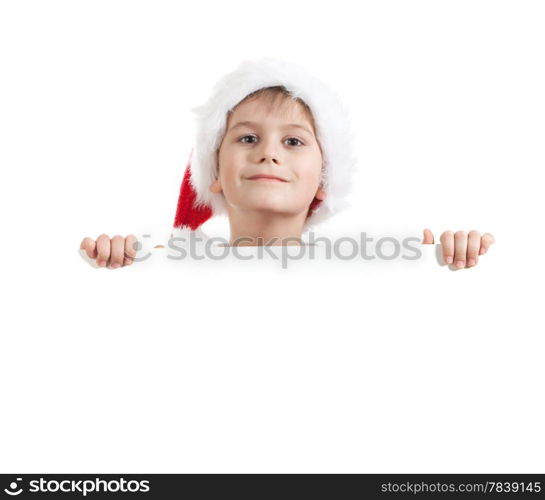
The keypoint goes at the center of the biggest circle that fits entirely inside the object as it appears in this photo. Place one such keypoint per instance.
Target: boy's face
(270, 145)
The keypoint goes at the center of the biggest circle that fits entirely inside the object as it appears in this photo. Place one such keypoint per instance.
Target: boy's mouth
(265, 177)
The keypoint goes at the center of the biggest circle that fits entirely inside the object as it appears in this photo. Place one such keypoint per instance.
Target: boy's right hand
(117, 252)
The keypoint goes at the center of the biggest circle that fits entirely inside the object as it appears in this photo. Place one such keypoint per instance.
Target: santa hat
(196, 203)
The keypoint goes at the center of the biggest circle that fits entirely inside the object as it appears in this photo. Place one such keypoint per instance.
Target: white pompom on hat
(196, 203)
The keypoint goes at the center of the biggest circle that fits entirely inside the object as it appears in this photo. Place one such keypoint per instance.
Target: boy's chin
(272, 210)
(270, 205)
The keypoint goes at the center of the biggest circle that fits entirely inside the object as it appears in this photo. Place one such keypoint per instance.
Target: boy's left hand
(461, 249)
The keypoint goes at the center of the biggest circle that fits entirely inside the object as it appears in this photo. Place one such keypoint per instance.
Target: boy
(274, 154)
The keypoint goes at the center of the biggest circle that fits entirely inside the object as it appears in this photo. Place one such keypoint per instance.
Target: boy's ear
(215, 187)
(320, 194)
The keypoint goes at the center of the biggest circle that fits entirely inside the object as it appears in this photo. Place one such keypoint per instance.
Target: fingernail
(101, 263)
(471, 262)
(460, 263)
(115, 266)
(449, 260)
(481, 251)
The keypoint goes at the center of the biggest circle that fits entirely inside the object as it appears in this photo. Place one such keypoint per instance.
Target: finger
(486, 240)
(447, 245)
(460, 248)
(117, 251)
(90, 247)
(473, 246)
(103, 249)
(130, 249)
(428, 237)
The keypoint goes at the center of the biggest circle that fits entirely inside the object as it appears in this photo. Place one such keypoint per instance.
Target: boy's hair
(275, 95)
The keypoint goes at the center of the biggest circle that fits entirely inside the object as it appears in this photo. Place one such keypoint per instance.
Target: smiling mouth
(263, 177)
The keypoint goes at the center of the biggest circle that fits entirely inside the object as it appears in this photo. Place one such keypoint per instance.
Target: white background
(337, 367)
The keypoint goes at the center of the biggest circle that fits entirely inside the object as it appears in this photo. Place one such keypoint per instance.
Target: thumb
(428, 237)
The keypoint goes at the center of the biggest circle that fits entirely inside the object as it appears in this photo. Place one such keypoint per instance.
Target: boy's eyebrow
(254, 124)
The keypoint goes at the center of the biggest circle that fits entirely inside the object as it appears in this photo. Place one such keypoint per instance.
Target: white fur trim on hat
(333, 130)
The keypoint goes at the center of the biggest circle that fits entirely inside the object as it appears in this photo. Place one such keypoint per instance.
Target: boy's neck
(257, 229)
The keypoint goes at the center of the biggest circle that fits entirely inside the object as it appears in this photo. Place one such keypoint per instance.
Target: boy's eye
(246, 137)
(295, 139)
(297, 143)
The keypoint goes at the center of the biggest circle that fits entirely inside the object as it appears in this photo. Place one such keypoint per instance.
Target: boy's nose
(267, 159)
(268, 152)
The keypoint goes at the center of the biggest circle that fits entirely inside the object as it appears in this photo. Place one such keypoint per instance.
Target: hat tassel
(187, 213)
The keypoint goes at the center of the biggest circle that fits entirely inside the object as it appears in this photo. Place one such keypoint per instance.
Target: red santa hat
(196, 203)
